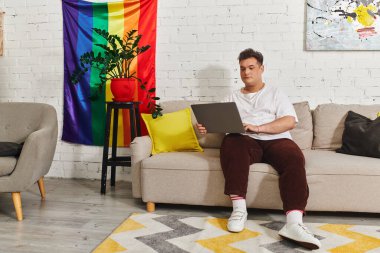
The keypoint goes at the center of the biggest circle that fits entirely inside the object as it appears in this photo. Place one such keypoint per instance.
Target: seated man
(267, 115)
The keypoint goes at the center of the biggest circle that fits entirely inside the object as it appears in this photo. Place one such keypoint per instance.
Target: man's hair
(249, 53)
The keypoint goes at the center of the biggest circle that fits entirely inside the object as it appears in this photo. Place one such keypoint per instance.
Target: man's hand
(201, 129)
(251, 128)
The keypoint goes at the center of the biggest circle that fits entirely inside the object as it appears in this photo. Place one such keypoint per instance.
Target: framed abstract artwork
(343, 25)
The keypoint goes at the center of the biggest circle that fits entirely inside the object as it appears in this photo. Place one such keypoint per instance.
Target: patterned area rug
(148, 232)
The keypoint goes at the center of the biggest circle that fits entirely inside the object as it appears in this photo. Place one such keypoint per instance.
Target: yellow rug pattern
(152, 233)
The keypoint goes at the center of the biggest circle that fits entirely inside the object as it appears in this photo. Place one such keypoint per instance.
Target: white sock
(239, 204)
(294, 216)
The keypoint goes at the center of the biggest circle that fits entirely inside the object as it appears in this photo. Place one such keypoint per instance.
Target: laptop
(219, 117)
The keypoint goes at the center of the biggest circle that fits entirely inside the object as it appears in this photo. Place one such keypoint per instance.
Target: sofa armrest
(141, 148)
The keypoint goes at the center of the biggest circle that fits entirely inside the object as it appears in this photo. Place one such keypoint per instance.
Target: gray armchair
(36, 125)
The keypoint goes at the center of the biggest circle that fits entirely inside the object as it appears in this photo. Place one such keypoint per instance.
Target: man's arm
(277, 126)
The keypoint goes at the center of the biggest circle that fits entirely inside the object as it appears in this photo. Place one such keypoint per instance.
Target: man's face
(251, 71)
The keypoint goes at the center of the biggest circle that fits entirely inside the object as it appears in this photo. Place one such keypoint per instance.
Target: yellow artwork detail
(362, 243)
(220, 244)
(363, 16)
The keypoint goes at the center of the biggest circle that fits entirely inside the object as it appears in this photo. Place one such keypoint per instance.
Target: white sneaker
(300, 234)
(236, 222)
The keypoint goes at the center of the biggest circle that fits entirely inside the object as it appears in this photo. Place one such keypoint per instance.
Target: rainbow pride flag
(84, 119)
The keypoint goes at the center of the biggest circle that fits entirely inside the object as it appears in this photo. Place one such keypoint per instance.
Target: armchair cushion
(10, 149)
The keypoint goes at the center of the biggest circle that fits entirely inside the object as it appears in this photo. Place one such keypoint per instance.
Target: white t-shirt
(263, 107)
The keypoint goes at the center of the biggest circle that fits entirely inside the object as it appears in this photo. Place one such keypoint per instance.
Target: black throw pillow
(361, 136)
(10, 149)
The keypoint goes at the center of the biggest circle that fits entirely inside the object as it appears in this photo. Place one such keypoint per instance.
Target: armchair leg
(150, 207)
(16, 196)
(41, 185)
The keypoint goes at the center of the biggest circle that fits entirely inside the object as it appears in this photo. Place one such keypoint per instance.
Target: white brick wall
(197, 45)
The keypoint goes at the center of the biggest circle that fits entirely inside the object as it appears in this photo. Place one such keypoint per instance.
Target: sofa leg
(41, 185)
(16, 196)
(150, 207)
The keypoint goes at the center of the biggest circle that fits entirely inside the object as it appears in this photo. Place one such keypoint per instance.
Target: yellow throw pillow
(378, 114)
(172, 132)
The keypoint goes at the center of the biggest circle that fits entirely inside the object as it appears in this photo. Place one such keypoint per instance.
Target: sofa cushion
(210, 140)
(326, 162)
(329, 123)
(337, 182)
(7, 164)
(303, 133)
(318, 162)
(361, 136)
(207, 160)
(172, 132)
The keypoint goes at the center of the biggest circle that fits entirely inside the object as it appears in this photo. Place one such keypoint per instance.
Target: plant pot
(123, 89)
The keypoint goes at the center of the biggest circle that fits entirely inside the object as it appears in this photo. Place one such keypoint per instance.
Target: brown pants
(238, 152)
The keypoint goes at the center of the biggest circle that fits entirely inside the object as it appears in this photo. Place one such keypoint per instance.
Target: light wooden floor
(76, 218)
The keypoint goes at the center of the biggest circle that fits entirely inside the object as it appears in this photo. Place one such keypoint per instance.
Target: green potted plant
(114, 63)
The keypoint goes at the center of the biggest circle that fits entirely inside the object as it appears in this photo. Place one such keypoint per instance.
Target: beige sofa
(337, 182)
